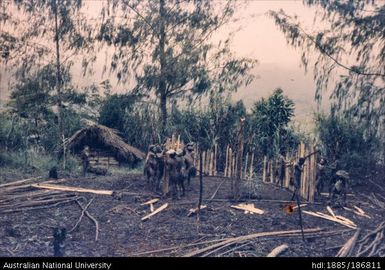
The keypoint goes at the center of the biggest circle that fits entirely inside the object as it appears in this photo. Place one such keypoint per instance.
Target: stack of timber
(22, 196)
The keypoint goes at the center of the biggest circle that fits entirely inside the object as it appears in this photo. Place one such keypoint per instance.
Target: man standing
(281, 170)
(85, 155)
(320, 179)
(298, 168)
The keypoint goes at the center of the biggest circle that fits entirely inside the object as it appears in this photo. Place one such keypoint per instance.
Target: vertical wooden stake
(264, 169)
(204, 161)
(215, 159)
(178, 142)
(245, 169)
(165, 180)
(251, 166)
(212, 162)
(226, 161)
(230, 163)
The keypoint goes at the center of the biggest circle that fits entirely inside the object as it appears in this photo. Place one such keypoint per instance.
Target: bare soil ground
(122, 233)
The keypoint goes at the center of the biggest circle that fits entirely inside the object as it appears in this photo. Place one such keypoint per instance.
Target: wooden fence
(308, 177)
(210, 165)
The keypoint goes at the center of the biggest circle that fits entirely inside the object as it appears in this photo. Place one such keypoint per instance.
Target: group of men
(337, 180)
(177, 164)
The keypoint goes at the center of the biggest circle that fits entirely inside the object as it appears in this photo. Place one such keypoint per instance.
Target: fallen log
(20, 181)
(74, 189)
(347, 249)
(249, 208)
(278, 250)
(37, 207)
(239, 239)
(164, 206)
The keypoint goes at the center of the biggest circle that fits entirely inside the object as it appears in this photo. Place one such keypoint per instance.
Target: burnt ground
(122, 233)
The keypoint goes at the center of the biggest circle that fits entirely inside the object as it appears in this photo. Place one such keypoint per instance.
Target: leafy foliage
(166, 45)
(349, 42)
(346, 142)
(269, 122)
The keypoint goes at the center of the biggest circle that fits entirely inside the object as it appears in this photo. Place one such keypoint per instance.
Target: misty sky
(258, 38)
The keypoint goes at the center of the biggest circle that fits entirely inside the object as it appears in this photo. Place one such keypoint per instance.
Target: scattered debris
(278, 250)
(347, 249)
(248, 208)
(330, 211)
(90, 217)
(193, 211)
(164, 206)
(74, 189)
(373, 242)
(235, 240)
(357, 212)
(151, 203)
(339, 219)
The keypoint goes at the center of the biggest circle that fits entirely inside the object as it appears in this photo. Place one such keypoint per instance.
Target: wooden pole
(204, 161)
(237, 190)
(227, 161)
(251, 166)
(230, 162)
(245, 169)
(215, 159)
(165, 186)
(264, 169)
(233, 165)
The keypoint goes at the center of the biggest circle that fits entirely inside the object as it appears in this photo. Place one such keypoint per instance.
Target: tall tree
(42, 33)
(168, 47)
(349, 44)
(270, 119)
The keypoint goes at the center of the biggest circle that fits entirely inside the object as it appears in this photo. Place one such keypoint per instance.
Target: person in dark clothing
(338, 191)
(298, 169)
(282, 170)
(320, 179)
(85, 155)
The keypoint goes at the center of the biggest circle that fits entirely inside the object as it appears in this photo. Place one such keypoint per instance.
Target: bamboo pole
(272, 171)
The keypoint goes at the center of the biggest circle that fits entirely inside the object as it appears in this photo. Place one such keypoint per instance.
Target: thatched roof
(95, 135)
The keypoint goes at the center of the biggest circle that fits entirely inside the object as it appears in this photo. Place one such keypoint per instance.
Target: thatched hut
(107, 148)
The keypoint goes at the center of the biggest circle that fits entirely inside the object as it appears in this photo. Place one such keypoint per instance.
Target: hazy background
(258, 38)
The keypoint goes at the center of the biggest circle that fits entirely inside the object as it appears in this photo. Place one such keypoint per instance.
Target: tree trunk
(237, 183)
(162, 60)
(58, 75)
(163, 111)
